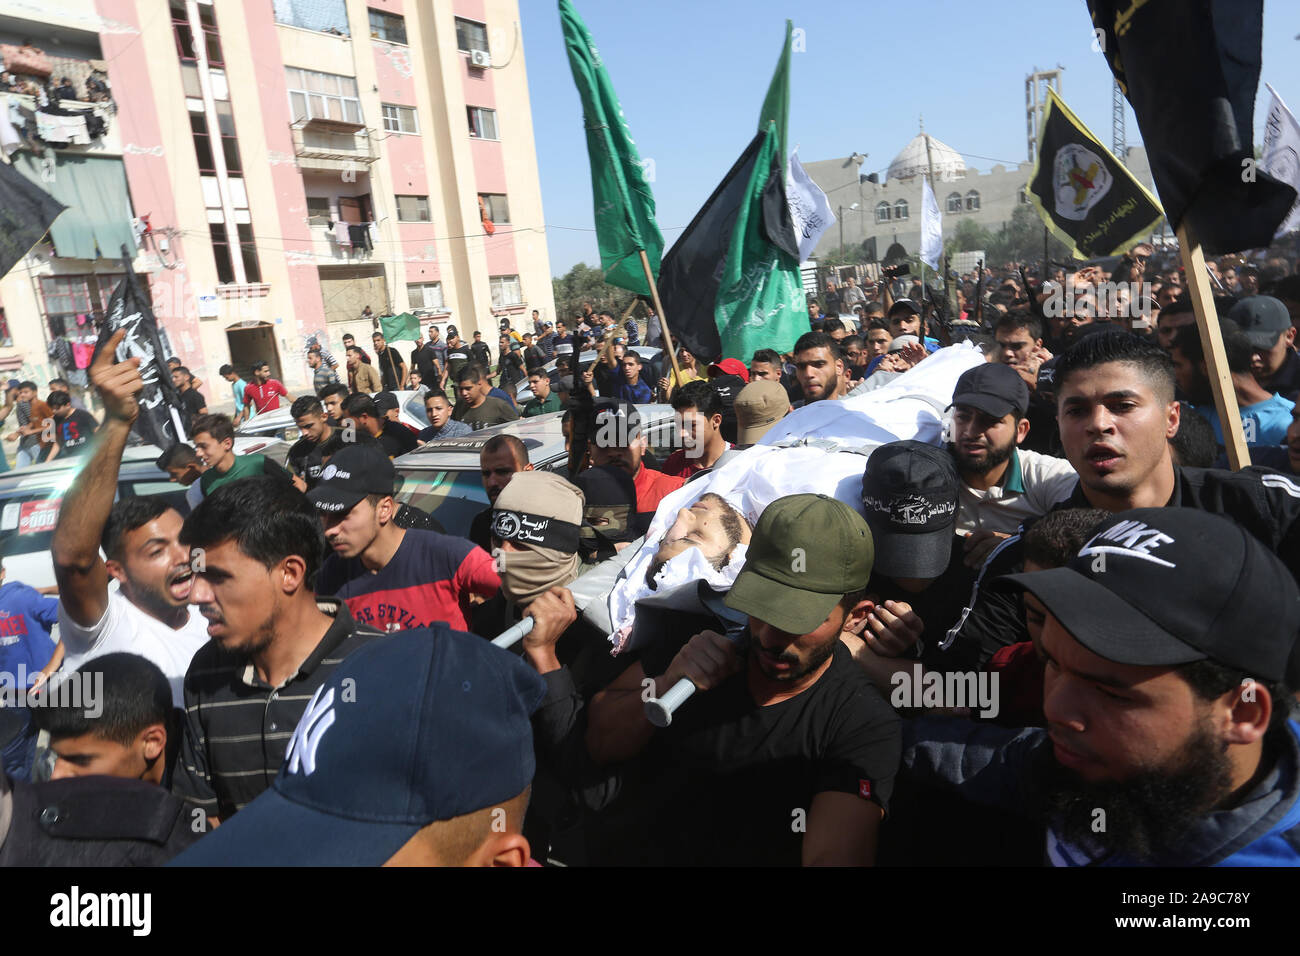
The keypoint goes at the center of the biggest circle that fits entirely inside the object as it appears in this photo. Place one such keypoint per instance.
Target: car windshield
(452, 497)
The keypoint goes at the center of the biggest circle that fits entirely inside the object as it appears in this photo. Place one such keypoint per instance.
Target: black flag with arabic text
(159, 422)
(1085, 196)
(26, 214)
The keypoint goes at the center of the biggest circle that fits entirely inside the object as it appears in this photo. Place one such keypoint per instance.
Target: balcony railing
(330, 144)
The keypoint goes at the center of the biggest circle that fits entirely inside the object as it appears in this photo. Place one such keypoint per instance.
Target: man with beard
(500, 459)
(1115, 395)
(1002, 483)
(391, 577)
(780, 722)
(257, 548)
(1168, 702)
(1264, 415)
(149, 613)
(819, 367)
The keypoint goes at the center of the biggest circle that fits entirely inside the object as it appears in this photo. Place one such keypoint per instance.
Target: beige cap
(759, 406)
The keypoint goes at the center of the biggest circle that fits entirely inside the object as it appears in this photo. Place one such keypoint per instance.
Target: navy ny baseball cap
(420, 726)
(1160, 587)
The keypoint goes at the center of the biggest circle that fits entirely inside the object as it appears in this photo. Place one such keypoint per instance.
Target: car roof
(542, 435)
(135, 458)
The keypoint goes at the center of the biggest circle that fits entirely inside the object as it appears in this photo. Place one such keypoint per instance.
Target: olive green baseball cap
(806, 553)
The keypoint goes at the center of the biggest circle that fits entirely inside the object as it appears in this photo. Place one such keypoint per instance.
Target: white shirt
(125, 628)
(1042, 481)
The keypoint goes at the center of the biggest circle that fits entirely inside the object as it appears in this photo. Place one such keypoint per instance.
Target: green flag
(760, 300)
(400, 328)
(621, 197)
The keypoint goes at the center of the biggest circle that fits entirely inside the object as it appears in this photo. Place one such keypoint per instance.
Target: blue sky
(691, 75)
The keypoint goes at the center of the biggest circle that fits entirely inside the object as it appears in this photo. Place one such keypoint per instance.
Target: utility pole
(1118, 139)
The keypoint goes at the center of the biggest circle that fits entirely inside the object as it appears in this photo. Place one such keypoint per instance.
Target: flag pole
(1216, 359)
(659, 308)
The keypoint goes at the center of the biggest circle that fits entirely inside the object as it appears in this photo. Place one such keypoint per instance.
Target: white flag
(809, 207)
(931, 227)
(1281, 154)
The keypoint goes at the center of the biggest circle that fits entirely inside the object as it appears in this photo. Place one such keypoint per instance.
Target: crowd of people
(305, 663)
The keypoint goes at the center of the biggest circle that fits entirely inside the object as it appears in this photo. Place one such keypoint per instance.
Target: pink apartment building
(274, 167)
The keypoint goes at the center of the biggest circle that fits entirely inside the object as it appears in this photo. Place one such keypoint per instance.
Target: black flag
(160, 418)
(1085, 196)
(692, 269)
(26, 214)
(1190, 69)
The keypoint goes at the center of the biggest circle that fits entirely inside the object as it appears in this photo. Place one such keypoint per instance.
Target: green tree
(969, 236)
(584, 283)
(1021, 240)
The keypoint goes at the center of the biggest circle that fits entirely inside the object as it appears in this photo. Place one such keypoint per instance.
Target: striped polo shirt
(237, 726)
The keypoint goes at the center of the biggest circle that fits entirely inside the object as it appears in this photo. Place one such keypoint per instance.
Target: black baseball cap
(1261, 319)
(385, 401)
(909, 494)
(352, 473)
(994, 389)
(904, 305)
(1160, 587)
(420, 726)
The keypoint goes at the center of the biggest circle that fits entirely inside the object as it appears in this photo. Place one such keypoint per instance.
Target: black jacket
(1264, 502)
(95, 821)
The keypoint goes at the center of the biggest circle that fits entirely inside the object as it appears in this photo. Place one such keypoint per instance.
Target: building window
(229, 144)
(505, 291)
(425, 295)
(67, 297)
(972, 201)
(221, 252)
(883, 211)
(498, 210)
(471, 36)
(211, 41)
(318, 211)
(900, 209)
(483, 123)
(248, 249)
(182, 32)
(321, 16)
(954, 202)
(315, 95)
(387, 26)
(400, 119)
(413, 209)
(202, 143)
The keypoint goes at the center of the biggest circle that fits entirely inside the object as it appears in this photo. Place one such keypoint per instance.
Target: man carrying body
(721, 783)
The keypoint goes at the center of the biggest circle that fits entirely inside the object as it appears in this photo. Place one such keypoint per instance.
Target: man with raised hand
(149, 613)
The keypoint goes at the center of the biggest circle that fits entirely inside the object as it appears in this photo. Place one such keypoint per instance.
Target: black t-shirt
(305, 460)
(389, 364)
(728, 782)
(396, 439)
(512, 368)
(425, 358)
(480, 529)
(191, 402)
(481, 353)
(75, 431)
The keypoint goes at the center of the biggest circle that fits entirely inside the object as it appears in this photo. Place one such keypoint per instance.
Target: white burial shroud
(820, 449)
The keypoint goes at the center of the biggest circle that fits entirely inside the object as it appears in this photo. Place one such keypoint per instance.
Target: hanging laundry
(360, 236)
(82, 353)
(341, 234)
(49, 129)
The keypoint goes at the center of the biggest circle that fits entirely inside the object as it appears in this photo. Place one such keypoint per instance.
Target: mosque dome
(913, 161)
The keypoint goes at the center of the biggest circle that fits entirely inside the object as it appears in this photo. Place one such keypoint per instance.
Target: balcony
(332, 145)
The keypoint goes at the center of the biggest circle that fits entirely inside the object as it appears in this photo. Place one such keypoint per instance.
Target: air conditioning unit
(480, 58)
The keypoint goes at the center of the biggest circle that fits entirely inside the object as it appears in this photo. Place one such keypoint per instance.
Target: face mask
(533, 571)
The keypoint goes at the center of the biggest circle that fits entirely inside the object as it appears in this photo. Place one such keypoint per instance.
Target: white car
(30, 498)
